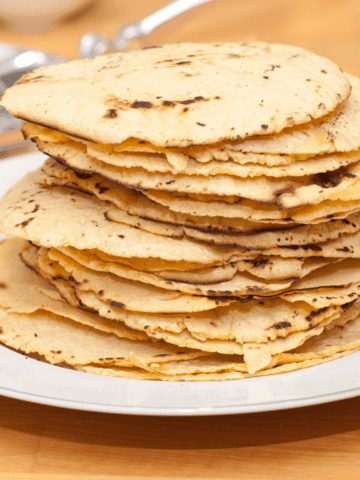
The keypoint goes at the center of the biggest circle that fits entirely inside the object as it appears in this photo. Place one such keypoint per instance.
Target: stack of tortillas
(198, 217)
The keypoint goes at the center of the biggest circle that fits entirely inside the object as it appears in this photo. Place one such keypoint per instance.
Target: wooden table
(47, 443)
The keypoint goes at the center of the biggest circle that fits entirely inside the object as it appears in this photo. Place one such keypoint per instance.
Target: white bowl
(37, 14)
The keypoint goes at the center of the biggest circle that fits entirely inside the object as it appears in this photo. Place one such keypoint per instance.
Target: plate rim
(163, 410)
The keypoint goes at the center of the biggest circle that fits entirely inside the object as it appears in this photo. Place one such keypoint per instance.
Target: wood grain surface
(323, 442)
(311, 442)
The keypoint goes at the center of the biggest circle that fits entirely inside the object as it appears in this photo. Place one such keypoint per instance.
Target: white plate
(27, 379)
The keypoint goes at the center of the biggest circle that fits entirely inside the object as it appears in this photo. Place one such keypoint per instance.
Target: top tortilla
(182, 94)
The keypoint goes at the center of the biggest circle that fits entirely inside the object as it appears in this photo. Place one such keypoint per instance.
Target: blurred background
(327, 27)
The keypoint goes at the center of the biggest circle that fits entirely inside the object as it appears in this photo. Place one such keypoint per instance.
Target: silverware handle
(153, 21)
(148, 24)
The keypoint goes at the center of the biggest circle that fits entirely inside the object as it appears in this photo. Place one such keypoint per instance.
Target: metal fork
(93, 44)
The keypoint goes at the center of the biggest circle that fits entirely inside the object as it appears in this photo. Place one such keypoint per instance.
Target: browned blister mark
(111, 113)
(141, 104)
(280, 325)
(192, 100)
(37, 207)
(345, 249)
(82, 176)
(117, 304)
(25, 222)
(101, 189)
(260, 262)
(314, 313)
